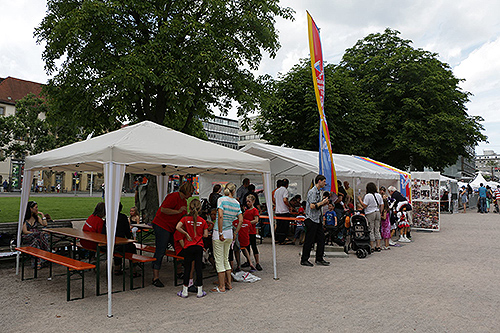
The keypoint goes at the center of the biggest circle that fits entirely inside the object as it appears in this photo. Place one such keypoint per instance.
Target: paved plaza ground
(445, 281)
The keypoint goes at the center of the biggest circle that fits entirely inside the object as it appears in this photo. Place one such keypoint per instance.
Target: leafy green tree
(420, 115)
(289, 113)
(26, 132)
(386, 100)
(171, 62)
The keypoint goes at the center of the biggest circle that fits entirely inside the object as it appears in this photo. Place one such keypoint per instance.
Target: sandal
(377, 249)
(217, 290)
(181, 295)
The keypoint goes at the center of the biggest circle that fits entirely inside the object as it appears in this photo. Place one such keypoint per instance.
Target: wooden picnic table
(146, 230)
(94, 237)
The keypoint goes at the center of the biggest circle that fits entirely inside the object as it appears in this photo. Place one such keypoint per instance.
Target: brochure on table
(425, 203)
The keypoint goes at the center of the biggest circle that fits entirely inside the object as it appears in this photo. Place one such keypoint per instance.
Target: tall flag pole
(326, 165)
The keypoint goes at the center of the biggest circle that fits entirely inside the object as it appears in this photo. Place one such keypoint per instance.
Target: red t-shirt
(169, 222)
(249, 215)
(177, 246)
(243, 234)
(188, 223)
(93, 224)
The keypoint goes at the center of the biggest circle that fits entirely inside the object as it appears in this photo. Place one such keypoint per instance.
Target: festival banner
(404, 177)
(326, 165)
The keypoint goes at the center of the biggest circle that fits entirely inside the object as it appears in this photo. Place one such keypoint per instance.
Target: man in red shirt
(168, 215)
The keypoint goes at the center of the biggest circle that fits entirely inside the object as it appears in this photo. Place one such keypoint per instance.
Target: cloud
(20, 56)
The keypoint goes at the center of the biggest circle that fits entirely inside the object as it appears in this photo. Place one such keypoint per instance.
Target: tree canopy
(171, 62)
(386, 100)
(289, 113)
(26, 132)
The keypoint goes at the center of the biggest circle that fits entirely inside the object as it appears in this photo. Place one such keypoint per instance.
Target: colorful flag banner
(326, 165)
(404, 177)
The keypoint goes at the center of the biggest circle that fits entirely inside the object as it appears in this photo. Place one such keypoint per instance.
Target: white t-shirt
(279, 195)
(372, 205)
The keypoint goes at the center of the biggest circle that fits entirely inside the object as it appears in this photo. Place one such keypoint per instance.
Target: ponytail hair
(230, 189)
(194, 211)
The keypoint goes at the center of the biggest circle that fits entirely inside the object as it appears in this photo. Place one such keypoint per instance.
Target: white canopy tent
(475, 184)
(301, 166)
(142, 148)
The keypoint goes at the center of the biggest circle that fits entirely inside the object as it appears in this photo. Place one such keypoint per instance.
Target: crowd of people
(225, 229)
(226, 226)
(387, 213)
(489, 199)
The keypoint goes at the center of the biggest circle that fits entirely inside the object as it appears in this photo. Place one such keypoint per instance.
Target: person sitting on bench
(32, 234)
(94, 223)
(123, 230)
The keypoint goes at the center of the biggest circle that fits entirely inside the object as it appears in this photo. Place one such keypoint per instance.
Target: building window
(2, 111)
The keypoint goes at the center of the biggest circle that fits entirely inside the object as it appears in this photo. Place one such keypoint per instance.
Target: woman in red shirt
(94, 223)
(193, 246)
(168, 215)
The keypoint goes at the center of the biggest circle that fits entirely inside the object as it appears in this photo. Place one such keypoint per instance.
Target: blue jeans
(162, 238)
(482, 205)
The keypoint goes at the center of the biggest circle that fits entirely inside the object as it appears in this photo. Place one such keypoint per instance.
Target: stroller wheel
(360, 253)
(365, 253)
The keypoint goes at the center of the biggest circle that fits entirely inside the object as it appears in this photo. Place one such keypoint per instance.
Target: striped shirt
(231, 209)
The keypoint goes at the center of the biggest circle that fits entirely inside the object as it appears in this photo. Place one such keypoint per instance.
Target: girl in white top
(373, 204)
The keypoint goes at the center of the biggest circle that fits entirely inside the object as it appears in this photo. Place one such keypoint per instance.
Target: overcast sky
(465, 34)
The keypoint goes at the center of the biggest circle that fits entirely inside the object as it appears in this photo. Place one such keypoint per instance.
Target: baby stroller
(334, 234)
(337, 234)
(359, 236)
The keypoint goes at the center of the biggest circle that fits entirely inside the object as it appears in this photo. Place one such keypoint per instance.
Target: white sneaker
(401, 239)
(391, 243)
(404, 240)
(408, 240)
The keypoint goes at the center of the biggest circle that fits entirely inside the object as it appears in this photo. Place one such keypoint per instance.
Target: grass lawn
(57, 207)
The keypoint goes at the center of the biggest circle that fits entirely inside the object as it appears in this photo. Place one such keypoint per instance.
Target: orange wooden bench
(132, 258)
(168, 253)
(138, 259)
(73, 266)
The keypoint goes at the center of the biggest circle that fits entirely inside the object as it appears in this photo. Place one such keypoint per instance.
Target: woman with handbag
(373, 204)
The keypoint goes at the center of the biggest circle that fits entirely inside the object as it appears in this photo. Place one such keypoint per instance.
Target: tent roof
(478, 180)
(298, 162)
(443, 178)
(148, 148)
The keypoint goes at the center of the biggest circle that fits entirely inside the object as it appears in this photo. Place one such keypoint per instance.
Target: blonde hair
(229, 189)
(186, 188)
(194, 210)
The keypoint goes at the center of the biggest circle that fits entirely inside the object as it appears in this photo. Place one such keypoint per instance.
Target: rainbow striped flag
(326, 165)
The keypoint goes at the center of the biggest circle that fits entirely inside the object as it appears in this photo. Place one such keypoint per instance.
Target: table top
(86, 235)
(283, 218)
(142, 226)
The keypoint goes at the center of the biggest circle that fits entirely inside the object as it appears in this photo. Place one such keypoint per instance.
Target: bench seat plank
(56, 258)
